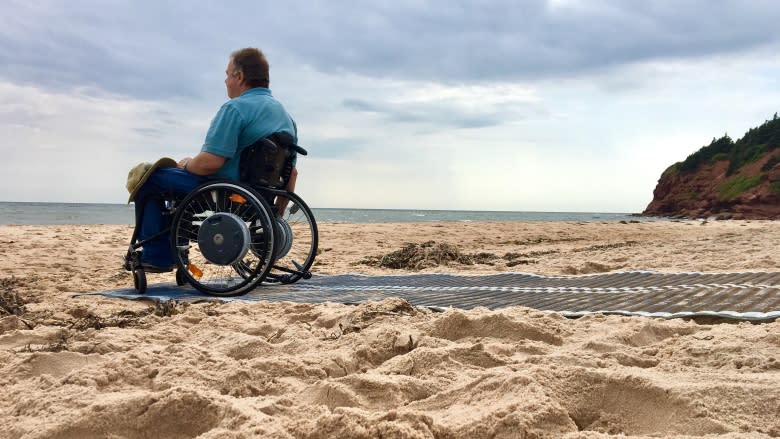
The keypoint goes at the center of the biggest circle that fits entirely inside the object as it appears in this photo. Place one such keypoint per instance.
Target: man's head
(247, 69)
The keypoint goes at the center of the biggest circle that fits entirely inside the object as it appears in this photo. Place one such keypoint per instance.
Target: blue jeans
(164, 182)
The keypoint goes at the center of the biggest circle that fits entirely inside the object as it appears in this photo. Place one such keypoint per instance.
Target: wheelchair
(227, 237)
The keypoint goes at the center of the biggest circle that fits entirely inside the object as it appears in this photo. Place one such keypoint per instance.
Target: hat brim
(165, 162)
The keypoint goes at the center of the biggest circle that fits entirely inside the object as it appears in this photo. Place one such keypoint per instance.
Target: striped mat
(742, 296)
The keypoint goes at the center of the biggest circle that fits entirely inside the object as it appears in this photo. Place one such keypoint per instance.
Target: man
(251, 114)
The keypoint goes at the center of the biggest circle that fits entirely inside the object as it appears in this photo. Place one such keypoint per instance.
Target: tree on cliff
(753, 145)
(719, 149)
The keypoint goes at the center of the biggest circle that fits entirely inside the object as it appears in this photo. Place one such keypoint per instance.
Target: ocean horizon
(41, 213)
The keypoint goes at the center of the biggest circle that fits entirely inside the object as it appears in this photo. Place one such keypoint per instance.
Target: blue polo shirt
(243, 121)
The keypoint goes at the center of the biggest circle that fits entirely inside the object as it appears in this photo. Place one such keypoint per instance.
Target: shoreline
(122, 214)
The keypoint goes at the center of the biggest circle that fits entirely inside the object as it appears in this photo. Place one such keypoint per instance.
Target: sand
(89, 366)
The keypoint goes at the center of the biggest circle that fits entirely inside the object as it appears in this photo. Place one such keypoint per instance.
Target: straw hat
(141, 172)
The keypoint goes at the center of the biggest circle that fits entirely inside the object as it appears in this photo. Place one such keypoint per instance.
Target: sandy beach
(94, 367)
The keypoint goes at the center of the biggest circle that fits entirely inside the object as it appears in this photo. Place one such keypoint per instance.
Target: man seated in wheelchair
(250, 115)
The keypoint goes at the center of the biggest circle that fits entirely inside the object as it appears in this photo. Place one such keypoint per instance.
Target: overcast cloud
(514, 105)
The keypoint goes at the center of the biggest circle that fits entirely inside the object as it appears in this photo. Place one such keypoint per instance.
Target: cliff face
(709, 191)
(726, 179)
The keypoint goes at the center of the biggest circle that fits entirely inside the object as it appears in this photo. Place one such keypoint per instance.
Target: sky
(516, 105)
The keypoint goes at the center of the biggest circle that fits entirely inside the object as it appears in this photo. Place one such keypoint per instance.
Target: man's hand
(183, 162)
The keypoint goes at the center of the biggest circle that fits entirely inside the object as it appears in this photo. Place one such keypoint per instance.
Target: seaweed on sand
(429, 254)
(10, 302)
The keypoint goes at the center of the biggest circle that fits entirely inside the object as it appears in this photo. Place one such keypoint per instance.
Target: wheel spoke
(222, 198)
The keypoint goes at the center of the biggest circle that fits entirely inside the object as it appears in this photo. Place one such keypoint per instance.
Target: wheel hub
(284, 238)
(223, 238)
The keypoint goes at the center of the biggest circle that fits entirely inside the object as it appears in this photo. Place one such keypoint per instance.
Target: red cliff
(704, 193)
(737, 180)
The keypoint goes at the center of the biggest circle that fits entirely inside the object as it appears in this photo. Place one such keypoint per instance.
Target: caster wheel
(139, 280)
(180, 278)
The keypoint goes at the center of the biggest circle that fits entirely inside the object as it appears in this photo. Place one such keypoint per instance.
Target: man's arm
(205, 163)
(292, 180)
(281, 202)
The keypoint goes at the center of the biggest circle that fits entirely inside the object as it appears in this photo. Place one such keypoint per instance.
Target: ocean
(79, 213)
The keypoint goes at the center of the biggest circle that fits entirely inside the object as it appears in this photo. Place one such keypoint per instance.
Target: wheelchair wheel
(181, 278)
(296, 240)
(212, 231)
(139, 280)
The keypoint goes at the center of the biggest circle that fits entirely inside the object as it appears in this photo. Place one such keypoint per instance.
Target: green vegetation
(752, 146)
(774, 187)
(734, 187)
(672, 169)
(717, 148)
(718, 157)
(748, 154)
(770, 163)
(692, 195)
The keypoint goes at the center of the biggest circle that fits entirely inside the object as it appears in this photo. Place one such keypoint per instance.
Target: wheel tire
(212, 277)
(295, 264)
(139, 280)
(181, 278)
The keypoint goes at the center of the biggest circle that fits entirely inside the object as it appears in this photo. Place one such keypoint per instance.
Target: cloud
(451, 107)
(134, 50)
(421, 114)
(337, 147)
(437, 113)
(78, 146)
(157, 49)
(511, 40)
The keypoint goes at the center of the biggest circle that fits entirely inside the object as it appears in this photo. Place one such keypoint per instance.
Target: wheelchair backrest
(269, 161)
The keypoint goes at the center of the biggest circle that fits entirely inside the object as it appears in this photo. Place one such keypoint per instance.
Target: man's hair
(253, 64)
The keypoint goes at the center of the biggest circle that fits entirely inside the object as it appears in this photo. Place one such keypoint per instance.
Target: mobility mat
(742, 296)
